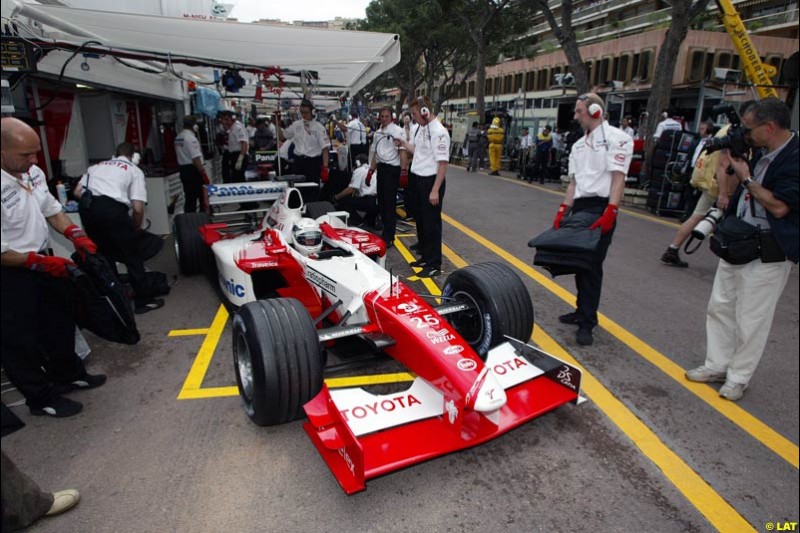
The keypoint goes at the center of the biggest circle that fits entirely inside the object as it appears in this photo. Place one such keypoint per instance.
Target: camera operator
(744, 296)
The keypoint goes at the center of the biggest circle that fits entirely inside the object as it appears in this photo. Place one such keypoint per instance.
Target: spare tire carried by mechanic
(278, 359)
(499, 305)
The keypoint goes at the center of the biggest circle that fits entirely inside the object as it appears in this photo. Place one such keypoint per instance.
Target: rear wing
(262, 192)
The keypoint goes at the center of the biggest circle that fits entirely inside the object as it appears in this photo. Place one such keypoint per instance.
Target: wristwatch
(747, 182)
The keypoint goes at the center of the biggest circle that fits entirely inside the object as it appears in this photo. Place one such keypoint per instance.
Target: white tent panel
(346, 60)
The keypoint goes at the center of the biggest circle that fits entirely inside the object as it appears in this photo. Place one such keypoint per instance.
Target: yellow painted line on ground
(710, 504)
(209, 392)
(194, 381)
(187, 332)
(770, 438)
(428, 282)
(377, 379)
(630, 212)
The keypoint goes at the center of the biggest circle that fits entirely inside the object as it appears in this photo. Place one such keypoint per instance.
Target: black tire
(503, 305)
(277, 358)
(194, 256)
(317, 209)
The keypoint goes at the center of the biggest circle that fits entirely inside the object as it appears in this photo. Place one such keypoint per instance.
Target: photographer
(746, 290)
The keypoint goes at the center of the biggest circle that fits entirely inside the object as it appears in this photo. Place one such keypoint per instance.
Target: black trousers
(388, 181)
(110, 226)
(429, 222)
(354, 204)
(192, 182)
(38, 340)
(23, 502)
(226, 167)
(310, 167)
(590, 283)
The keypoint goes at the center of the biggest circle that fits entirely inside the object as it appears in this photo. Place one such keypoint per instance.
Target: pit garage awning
(341, 60)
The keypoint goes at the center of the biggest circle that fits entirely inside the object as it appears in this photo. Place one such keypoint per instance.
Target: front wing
(361, 436)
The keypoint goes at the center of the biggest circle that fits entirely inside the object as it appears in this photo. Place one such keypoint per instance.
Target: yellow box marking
(187, 332)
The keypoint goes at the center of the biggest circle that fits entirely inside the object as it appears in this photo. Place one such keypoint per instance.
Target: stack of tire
(670, 172)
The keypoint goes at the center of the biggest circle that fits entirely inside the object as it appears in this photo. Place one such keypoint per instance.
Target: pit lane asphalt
(146, 461)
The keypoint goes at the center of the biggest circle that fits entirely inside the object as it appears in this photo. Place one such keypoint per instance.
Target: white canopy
(343, 60)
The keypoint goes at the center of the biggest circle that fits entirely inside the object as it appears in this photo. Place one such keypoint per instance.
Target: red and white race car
(298, 297)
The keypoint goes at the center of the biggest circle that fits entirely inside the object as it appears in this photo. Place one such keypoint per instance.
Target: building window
(622, 69)
(696, 66)
(487, 88)
(471, 89)
(530, 80)
(645, 65)
(709, 66)
(507, 81)
(603, 72)
(635, 67)
(518, 82)
(724, 60)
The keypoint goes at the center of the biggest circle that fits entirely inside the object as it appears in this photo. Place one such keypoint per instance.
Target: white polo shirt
(187, 147)
(26, 204)
(118, 179)
(359, 182)
(431, 145)
(356, 132)
(666, 125)
(237, 135)
(595, 156)
(310, 138)
(383, 144)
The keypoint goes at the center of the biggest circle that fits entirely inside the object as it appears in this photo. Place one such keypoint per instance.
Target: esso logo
(467, 364)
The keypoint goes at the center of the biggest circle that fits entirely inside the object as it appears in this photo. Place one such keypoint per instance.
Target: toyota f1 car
(299, 296)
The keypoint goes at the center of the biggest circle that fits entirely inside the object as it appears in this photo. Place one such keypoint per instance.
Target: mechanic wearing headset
(311, 145)
(598, 164)
(117, 186)
(392, 166)
(190, 160)
(430, 146)
(38, 341)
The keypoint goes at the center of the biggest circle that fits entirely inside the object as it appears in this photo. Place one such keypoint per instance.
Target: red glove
(370, 172)
(206, 181)
(606, 220)
(563, 209)
(83, 244)
(403, 178)
(55, 266)
(323, 175)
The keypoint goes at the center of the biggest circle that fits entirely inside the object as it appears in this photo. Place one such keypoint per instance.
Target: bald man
(38, 341)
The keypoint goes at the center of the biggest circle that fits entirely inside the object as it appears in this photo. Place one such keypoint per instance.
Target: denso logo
(453, 350)
(384, 406)
(232, 287)
(348, 461)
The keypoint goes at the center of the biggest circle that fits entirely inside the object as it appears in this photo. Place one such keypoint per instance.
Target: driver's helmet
(306, 236)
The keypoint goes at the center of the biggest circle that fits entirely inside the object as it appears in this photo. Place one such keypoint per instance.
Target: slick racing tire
(194, 256)
(278, 359)
(499, 303)
(317, 209)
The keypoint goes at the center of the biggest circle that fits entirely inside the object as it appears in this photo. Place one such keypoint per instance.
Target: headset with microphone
(595, 111)
(307, 103)
(424, 111)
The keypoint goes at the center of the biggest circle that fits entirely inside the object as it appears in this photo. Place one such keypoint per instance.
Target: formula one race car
(304, 283)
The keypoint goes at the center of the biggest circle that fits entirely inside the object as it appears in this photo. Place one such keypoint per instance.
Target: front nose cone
(491, 395)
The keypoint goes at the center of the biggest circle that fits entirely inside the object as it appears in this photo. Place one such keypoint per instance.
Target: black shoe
(417, 264)
(584, 337)
(569, 318)
(87, 382)
(430, 272)
(414, 246)
(152, 305)
(59, 407)
(672, 258)
(389, 244)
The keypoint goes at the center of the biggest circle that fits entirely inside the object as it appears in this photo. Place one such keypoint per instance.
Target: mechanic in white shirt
(38, 340)
(114, 218)
(598, 163)
(392, 166)
(626, 127)
(430, 146)
(235, 157)
(667, 124)
(360, 195)
(356, 137)
(190, 161)
(311, 147)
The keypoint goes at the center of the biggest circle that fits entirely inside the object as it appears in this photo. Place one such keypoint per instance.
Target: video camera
(735, 140)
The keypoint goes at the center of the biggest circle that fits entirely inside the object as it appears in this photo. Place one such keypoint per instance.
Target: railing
(767, 21)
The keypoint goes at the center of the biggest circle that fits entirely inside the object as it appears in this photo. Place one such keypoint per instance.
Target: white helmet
(306, 236)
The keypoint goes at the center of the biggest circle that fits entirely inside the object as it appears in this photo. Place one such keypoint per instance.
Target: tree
(567, 39)
(683, 12)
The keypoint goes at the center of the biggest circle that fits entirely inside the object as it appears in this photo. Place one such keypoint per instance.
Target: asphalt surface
(144, 460)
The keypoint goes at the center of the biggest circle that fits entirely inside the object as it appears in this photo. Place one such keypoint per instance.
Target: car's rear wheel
(317, 209)
(193, 255)
(498, 304)
(278, 359)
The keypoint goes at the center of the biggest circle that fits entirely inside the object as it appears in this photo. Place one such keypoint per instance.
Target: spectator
(544, 146)
(525, 147)
(38, 341)
(472, 140)
(117, 186)
(598, 163)
(558, 144)
(24, 502)
(190, 160)
(430, 145)
(483, 146)
(744, 296)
